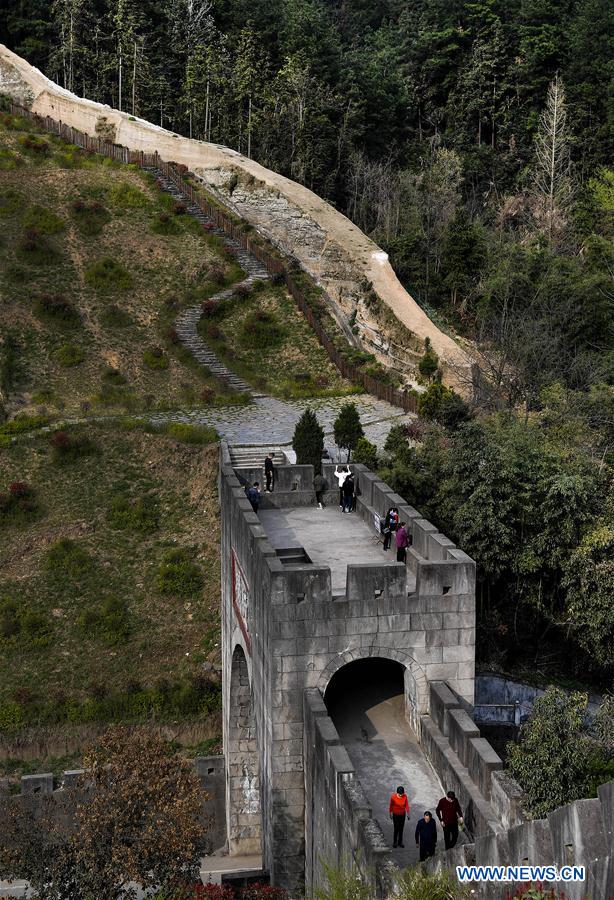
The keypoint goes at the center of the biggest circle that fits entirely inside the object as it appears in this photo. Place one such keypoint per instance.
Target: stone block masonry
(290, 623)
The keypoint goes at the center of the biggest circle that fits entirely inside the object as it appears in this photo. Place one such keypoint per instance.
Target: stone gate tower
(305, 592)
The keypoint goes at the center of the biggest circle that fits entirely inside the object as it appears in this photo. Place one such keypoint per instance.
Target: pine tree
(308, 441)
(347, 428)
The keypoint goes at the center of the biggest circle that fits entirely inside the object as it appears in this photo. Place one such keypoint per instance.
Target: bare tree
(553, 184)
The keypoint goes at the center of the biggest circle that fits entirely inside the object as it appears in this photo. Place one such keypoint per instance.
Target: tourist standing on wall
(269, 473)
(398, 809)
(391, 523)
(450, 815)
(426, 836)
(348, 494)
(402, 539)
(341, 474)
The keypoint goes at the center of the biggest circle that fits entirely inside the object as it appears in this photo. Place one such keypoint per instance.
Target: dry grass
(163, 270)
(170, 637)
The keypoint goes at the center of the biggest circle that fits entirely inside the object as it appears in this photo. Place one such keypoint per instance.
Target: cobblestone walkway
(268, 421)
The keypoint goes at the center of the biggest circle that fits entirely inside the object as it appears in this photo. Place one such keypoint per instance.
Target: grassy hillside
(109, 579)
(96, 263)
(261, 339)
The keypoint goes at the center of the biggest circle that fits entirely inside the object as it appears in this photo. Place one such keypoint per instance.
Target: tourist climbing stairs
(186, 324)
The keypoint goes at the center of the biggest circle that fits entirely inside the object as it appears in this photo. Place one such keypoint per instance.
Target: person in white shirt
(341, 474)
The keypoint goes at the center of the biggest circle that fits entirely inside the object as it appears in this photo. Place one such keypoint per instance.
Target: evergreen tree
(347, 428)
(308, 441)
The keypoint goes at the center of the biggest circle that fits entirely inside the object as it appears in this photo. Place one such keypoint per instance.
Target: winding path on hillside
(243, 425)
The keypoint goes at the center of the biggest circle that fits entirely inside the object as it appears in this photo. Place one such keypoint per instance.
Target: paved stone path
(270, 422)
(186, 323)
(247, 426)
(392, 756)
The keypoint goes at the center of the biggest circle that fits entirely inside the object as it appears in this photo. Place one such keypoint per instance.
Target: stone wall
(327, 245)
(578, 834)
(295, 636)
(339, 825)
(467, 764)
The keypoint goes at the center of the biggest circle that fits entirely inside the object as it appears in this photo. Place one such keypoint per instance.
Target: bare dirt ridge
(330, 247)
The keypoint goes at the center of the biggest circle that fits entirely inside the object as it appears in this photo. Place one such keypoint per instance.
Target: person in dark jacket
(269, 473)
(426, 836)
(319, 486)
(348, 493)
(450, 815)
(253, 495)
(391, 523)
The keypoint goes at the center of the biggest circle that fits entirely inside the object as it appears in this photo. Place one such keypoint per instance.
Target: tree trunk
(119, 89)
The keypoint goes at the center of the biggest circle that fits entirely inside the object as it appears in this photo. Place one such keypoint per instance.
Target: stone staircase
(186, 324)
(253, 457)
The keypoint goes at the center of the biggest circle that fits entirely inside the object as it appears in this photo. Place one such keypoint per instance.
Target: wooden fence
(404, 399)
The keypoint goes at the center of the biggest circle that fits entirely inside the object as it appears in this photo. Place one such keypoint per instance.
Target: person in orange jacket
(399, 809)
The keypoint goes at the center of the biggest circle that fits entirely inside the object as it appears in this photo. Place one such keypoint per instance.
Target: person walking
(319, 486)
(341, 474)
(426, 836)
(269, 473)
(391, 523)
(402, 541)
(254, 496)
(348, 494)
(398, 809)
(450, 815)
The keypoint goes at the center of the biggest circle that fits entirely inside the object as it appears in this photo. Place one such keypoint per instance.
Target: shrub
(126, 196)
(261, 329)
(34, 249)
(444, 405)
(210, 308)
(137, 514)
(17, 504)
(90, 218)
(67, 448)
(9, 159)
(179, 208)
(178, 575)
(192, 434)
(165, 224)
(34, 145)
(43, 219)
(242, 290)
(155, 358)
(114, 317)
(366, 453)
(113, 376)
(19, 622)
(56, 308)
(107, 275)
(10, 202)
(67, 558)
(69, 355)
(110, 621)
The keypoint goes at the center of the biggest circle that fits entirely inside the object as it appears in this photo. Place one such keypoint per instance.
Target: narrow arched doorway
(366, 699)
(243, 796)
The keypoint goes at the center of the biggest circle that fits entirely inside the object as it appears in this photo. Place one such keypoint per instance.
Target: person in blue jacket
(426, 836)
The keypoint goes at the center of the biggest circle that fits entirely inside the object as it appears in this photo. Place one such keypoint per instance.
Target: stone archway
(243, 793)
(416, 685)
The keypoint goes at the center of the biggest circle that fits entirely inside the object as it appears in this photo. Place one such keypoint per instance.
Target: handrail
(404, 399)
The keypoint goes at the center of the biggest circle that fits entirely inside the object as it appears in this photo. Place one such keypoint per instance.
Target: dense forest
(473, 141)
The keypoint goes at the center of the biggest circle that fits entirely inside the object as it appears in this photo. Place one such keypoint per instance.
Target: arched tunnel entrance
(366, 700)
(243, 792)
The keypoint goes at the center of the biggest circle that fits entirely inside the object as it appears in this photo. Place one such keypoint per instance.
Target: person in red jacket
(399, 808)
(449, 814)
